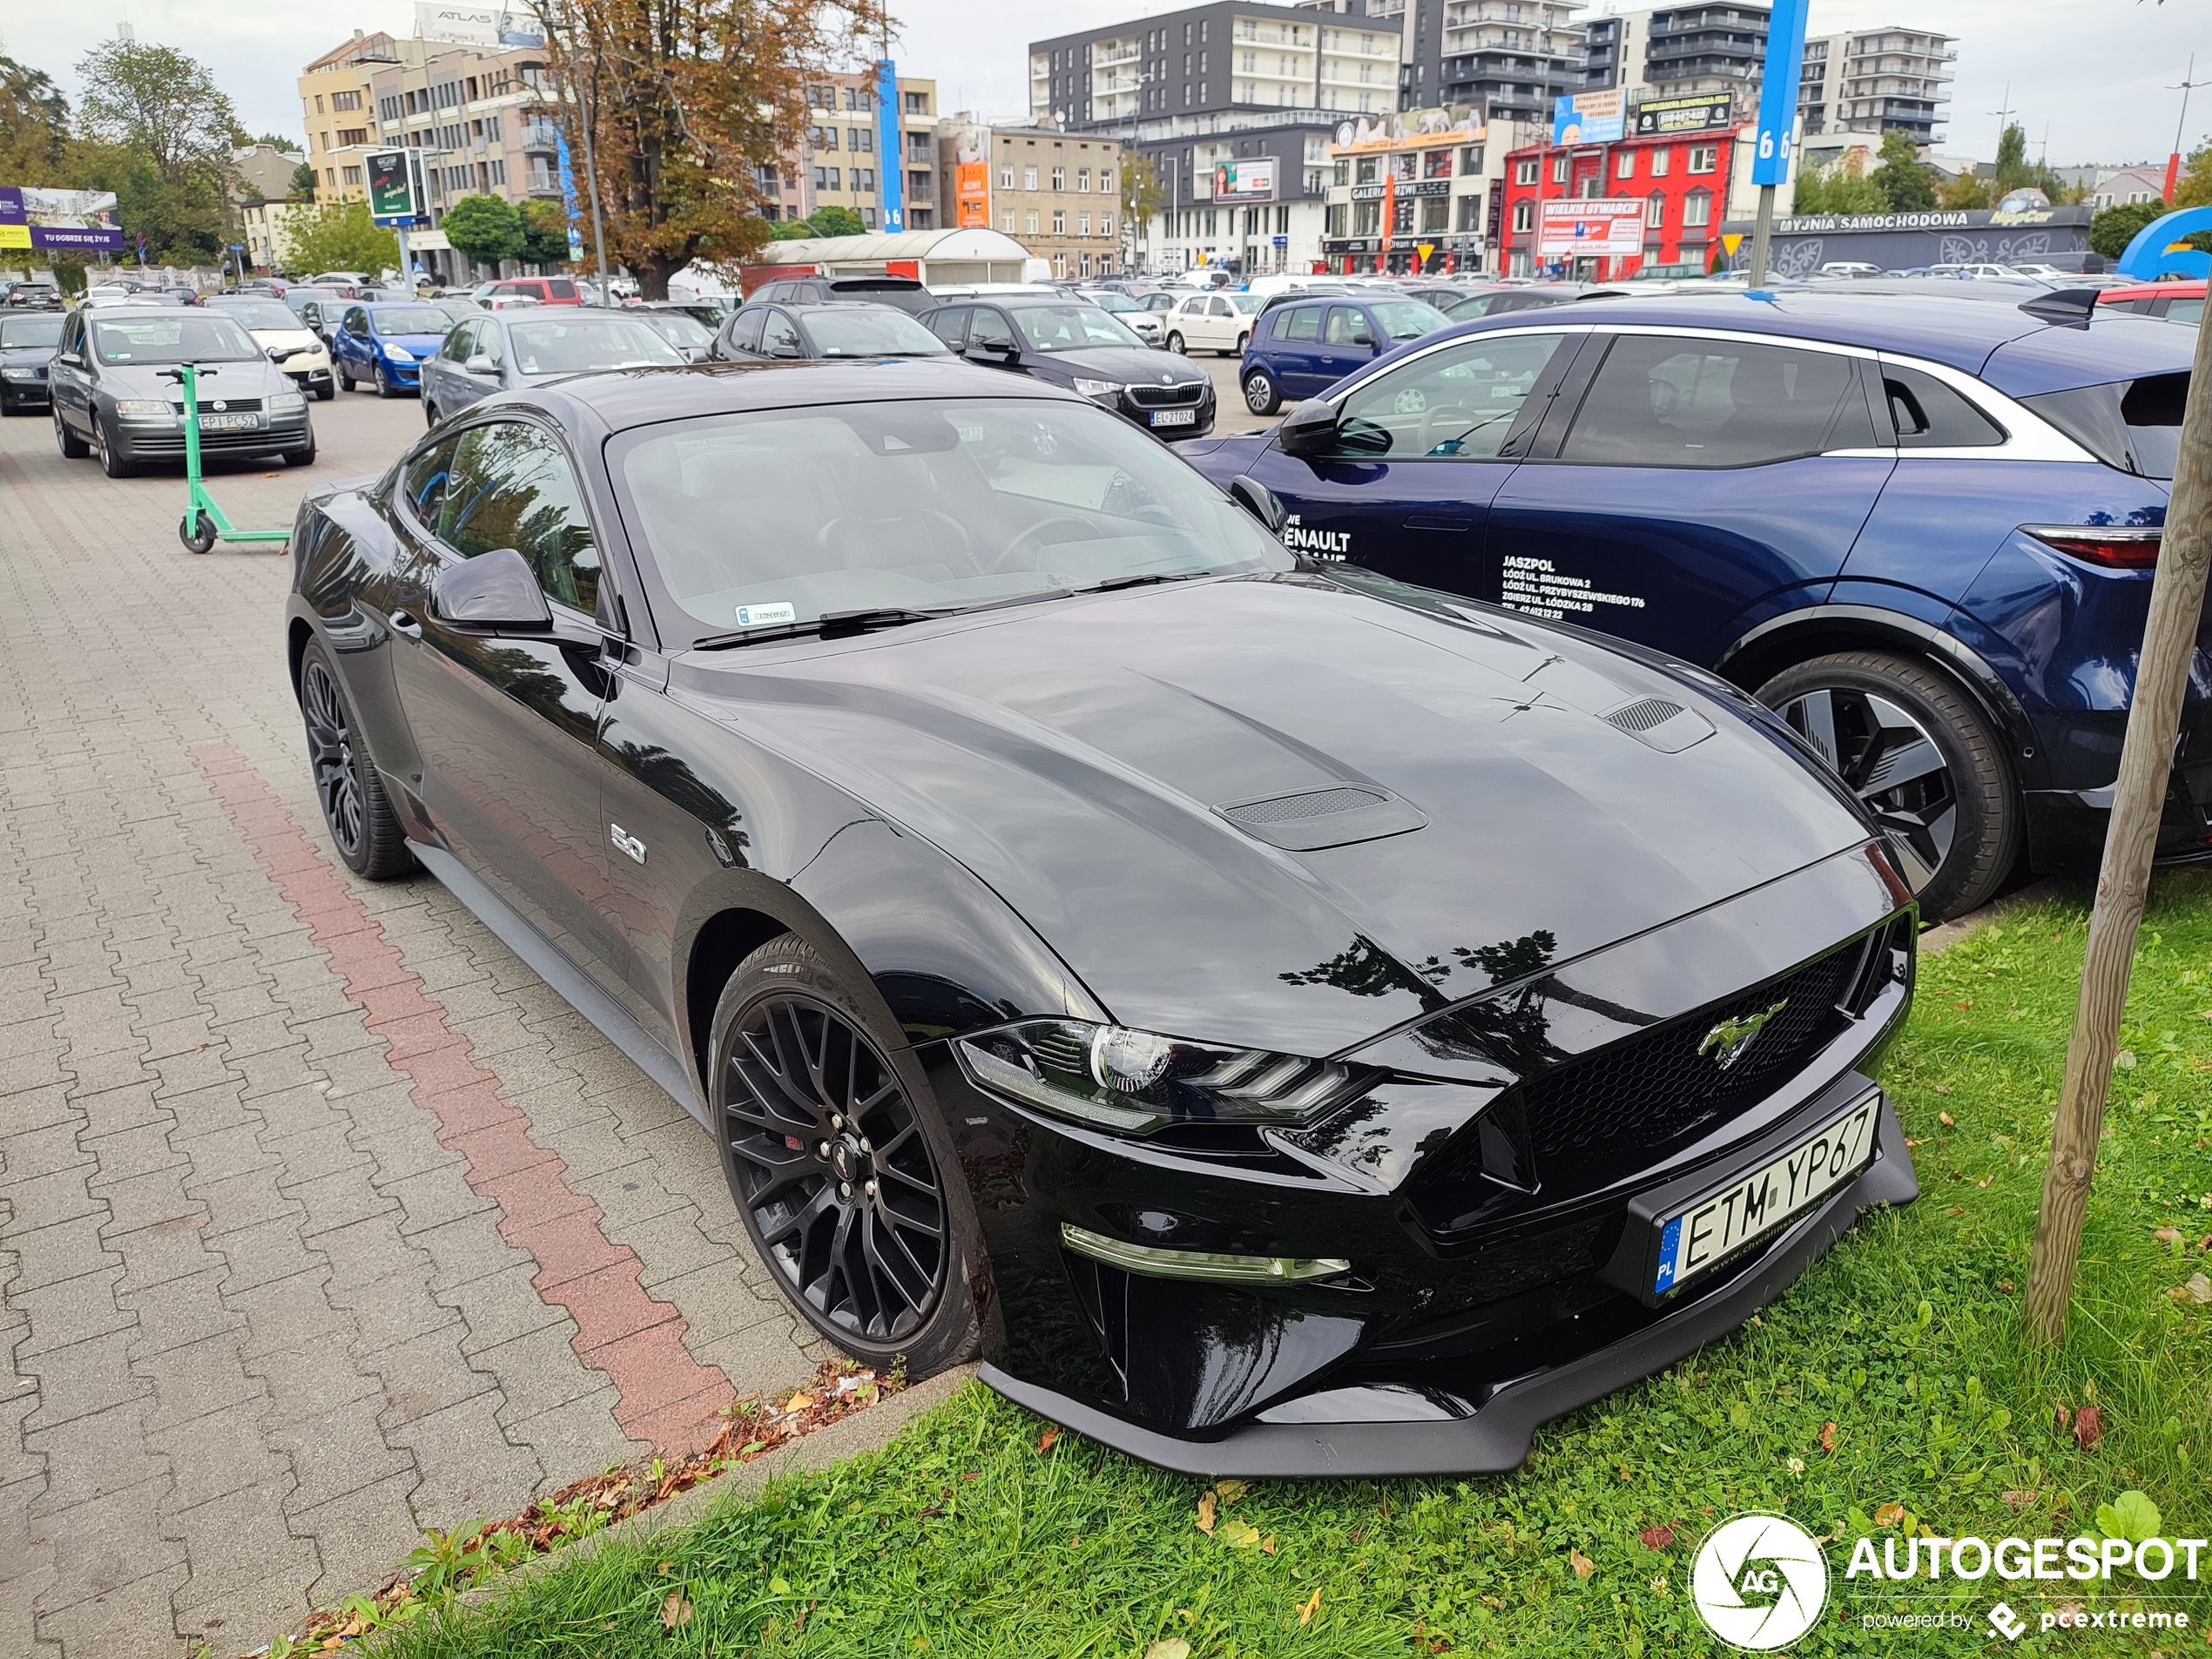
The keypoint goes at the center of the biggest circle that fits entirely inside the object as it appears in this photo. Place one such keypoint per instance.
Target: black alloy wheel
(1921, 758)
(355, 807)
(836, 1166)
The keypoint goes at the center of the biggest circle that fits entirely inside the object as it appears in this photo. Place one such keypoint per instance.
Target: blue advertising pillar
(568, 199)
(888, 178)
(1785, 52)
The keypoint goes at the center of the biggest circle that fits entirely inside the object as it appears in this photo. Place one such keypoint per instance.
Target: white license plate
(1175, 417)
(1713, 1228)
(228, 422)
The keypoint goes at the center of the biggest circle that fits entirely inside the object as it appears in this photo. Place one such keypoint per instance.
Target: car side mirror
(480, 364)
(987, 351)
(1259, 501)
(493, 590)
(1363, 338)
(1308, 429)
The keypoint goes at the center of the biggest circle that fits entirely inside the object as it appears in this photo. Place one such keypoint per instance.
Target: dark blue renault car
(1921, 529)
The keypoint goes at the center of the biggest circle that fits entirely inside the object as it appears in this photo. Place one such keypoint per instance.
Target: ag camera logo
(1759, 1581)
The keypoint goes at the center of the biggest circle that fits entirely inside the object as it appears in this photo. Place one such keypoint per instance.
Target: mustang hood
(1283, 812)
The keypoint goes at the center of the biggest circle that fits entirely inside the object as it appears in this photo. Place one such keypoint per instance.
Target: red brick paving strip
(668, 1399)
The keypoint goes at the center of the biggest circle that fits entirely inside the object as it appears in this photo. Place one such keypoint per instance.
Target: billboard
(66, 220)
(1250, 180)
(1588, 118)
(476, 25)
(1396, 131)
(391, 191)
(1610, 226)
(972, 196)
(1656, 118)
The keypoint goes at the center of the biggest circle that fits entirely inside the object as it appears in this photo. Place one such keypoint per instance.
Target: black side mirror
(493, 590)
(1308, 429)
(1259, 501)
(989, 351)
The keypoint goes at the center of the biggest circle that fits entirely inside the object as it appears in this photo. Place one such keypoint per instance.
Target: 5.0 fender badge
(1727, 1041)
(627, 842)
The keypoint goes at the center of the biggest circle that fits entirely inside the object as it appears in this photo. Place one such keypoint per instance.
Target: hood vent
(1337, 815)
(1665, 725)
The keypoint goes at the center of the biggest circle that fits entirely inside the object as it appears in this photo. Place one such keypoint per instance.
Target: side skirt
(575, 987)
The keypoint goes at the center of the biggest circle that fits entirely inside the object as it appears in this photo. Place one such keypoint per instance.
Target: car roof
(625, 398)
(1982, 339)
(2138, 290)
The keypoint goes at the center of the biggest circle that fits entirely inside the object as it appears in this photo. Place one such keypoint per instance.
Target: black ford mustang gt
(1292, 1021)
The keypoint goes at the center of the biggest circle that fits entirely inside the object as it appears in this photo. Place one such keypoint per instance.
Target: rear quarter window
(1930, 415)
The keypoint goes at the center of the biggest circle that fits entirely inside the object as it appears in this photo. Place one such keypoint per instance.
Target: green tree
(161, 102)
(303, 182)
(834, 220)
(546, 233)
(338, 236)
(789, 230)
(485, 228)
(2112, 230)
(2193, 187)
(281, 145)
(34, 125)
(1832, 190)
(2013, 170)
(1903, 181)
(1141, 195)
(1968, 190)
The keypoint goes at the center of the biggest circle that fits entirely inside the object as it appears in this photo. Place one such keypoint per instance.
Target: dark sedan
(1065, 342)
(833, 328)
(1288, 1021)
(27, 345)
(504, 350)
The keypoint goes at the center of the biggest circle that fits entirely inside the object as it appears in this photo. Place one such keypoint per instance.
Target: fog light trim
(1212, 1266)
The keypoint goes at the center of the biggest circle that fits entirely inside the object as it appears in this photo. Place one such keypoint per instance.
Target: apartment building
(1687, 185)
(1509, 57)
(338, 107)
(851, 142)
(1678, 51)
(1410, 193)
(260, 188)
(1057, 193)
(1878, 80)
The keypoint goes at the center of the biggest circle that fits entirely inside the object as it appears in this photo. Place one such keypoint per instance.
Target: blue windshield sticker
(763, 615)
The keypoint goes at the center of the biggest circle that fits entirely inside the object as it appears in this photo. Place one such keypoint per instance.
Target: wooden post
(2154, 718)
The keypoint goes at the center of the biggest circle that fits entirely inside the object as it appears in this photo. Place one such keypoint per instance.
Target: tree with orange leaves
(683, 102)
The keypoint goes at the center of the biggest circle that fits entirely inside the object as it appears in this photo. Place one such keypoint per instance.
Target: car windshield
(31, 331)
(877, 331)
(780, 518)
(178, 336)
(573, 345)
(460, 310)
(410, 320)
(1408, 318)
(260, 314)
(679, 328)
(1116, 302)
(1077, 326)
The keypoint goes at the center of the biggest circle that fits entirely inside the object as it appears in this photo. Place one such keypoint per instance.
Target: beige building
(1057, 193)
(842, 164)
(261, 190)
(337, 106)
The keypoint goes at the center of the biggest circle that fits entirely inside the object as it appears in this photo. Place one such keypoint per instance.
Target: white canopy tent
(931, 256)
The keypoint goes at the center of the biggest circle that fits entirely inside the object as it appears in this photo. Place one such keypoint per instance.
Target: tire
(301, 457)
(384, 387)
(1261, 395)
(198, 537)
(324, 394)
(790, 1044)
(1955, 819)
(1243, 341)
(73, 447)
(1175, 345)
(113, 462)
(345, 380)
(430, 412)
(355, 809)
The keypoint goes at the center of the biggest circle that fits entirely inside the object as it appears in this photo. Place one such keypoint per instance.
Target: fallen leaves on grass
(1660, 1536)
(1946, 1120)
(1169, 1648)
(2019, 1500)
(1827, 1437)
(2088, 1427)
(1046, 1439)
(2168, 1235)
(1889, 1514)
(1229, 1491)
(1239, 1534)
(674, 1610)
(2198, 1289)
(1206, 1512)
(1308, 1608)
(1584, 1565)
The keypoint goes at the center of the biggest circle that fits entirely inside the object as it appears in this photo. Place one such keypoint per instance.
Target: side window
(561, 288)
(1671, 403)
(511, 487)
(1304, 323)
(1930, 416)
(1454, 404)
(780, 336)
(456, 348)
(990, 328)
(491, 343)
(357, 321)
(424, 483)
(782, 290)
(1221, 308)
(2190, 311)
(744, 333)
(1348, 326)
(951, 326)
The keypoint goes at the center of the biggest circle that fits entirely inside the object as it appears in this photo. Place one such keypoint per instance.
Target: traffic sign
(1785, 51)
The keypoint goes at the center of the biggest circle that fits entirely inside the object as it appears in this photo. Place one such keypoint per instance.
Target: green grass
(964, 1538)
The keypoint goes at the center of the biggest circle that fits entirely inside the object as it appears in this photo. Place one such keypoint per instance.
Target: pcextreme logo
(1759, 1581)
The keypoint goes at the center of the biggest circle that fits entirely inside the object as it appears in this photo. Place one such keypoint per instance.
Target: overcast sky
(2097, 75)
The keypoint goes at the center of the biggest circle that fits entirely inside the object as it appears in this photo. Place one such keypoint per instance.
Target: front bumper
(1424, 1427)
(279, 435)
(403, 374)
(16, 392)
(1485, 1243)
(2066, 825)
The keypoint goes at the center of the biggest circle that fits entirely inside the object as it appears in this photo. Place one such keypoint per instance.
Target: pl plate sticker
(763, 615)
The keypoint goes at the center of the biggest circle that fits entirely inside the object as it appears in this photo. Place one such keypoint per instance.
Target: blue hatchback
(386, 343)
(1921, 528)
(1299, 348)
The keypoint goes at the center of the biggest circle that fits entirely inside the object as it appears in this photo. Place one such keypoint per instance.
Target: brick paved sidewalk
(322, 1221)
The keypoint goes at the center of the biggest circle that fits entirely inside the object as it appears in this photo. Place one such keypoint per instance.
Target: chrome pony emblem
(1727, 1041)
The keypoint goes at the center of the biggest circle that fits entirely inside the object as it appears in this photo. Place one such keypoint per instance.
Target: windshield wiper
(829, 624)
(1117, 583)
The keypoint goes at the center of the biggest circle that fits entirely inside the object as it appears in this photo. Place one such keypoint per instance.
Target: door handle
(403, 622)
(1433, 522)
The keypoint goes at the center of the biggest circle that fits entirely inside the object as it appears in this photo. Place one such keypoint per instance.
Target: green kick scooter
(204, 524)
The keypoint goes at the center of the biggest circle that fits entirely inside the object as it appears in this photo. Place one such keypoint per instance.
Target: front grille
(1650, 1091)
(1167, 397)
(230, 406)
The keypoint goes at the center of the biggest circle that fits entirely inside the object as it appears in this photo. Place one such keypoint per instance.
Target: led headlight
(280, 402)
(1109, 389)
(142, 406)
(1136, 1081)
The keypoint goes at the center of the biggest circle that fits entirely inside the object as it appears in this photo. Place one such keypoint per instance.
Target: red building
(1681, 179)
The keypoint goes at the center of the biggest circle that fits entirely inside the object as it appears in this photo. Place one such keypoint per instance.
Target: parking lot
(322, 1221)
